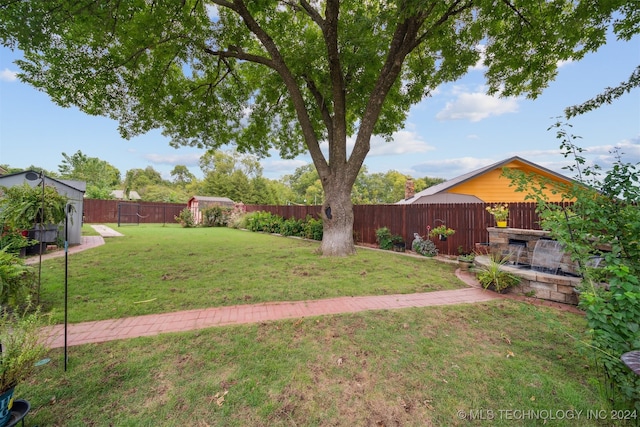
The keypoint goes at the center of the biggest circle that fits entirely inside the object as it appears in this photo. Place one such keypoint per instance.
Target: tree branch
(279, 65)
(606, 97)
(512, 7)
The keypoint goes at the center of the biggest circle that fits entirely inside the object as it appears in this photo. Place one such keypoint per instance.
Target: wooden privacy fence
(121, 212)
(469, 220)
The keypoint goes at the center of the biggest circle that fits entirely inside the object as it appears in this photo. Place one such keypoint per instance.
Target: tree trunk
(337, 221)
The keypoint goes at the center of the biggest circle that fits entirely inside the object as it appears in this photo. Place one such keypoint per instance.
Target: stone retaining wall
(550, 287)
(505, 241)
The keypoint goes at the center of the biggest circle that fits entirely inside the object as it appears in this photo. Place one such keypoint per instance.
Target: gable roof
(222, 200)
(444, 186)
(76, 185)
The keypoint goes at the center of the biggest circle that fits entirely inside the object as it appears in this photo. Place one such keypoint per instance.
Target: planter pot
(442, 238)
(465, 265)
(46, 234)
(501, 291)
(6, 402)
(399, 247)
(501, 224)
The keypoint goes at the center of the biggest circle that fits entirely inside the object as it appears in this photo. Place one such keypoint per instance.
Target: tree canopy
(289, 75)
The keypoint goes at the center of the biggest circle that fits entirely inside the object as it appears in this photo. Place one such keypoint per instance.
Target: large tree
(290, 75)
(97, 173)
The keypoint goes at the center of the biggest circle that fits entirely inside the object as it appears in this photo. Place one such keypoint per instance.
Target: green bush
(313, 228)
(263, 222)
(493, 276)
(424, 246)
(13, 239)
(308, 228)
(384, 238)
(17, 280)
(292, 227)
(185, 218)
(215, 216)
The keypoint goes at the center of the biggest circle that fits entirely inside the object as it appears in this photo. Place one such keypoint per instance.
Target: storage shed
(197, 203)
(74, 190)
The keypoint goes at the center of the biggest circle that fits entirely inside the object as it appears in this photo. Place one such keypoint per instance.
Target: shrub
(13, 239)
(16, 280)
(384, 238)
(237, 216)
(313, 228)
(424, 246)
(215, 216)
(263, 221)
(493, 276)
(185, 218)
(292, 227)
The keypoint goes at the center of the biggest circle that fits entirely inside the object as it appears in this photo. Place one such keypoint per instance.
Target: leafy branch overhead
(294, 76)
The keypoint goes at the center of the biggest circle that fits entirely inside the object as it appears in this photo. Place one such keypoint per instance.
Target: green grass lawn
(156, 269)
(431, 366)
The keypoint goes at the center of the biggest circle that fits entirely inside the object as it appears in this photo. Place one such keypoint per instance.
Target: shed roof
(224, 200)
(76, 185)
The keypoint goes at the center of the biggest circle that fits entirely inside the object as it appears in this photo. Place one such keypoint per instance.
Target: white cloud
(174, 159)
(476, 106)
(479, 66)
(404, 142)
(7, 75)
(281, 166)
(451, 168)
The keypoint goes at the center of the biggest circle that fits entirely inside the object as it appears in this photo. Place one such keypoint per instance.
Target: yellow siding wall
(492, 187)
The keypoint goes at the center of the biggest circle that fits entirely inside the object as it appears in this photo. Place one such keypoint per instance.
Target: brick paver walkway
(154, 324)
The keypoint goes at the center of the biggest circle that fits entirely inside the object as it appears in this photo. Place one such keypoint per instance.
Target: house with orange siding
(487, 185)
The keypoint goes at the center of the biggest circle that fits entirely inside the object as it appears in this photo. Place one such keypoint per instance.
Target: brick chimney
(409, 190)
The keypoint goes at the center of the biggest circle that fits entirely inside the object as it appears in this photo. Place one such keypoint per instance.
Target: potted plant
(398, 243)
(442, 232)
(38, 209)
(500, 213)
(21, 347)
(493, 277)
(465, 261)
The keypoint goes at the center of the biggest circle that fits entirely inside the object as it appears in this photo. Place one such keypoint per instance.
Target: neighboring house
(120, 195)
(74, 190)
(485, 185)
(198, 203)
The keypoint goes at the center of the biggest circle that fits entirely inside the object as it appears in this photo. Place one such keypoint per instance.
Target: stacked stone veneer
(501, 241)
(550, 287)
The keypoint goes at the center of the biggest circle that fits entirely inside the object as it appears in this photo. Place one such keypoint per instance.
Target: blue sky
(456, 130)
